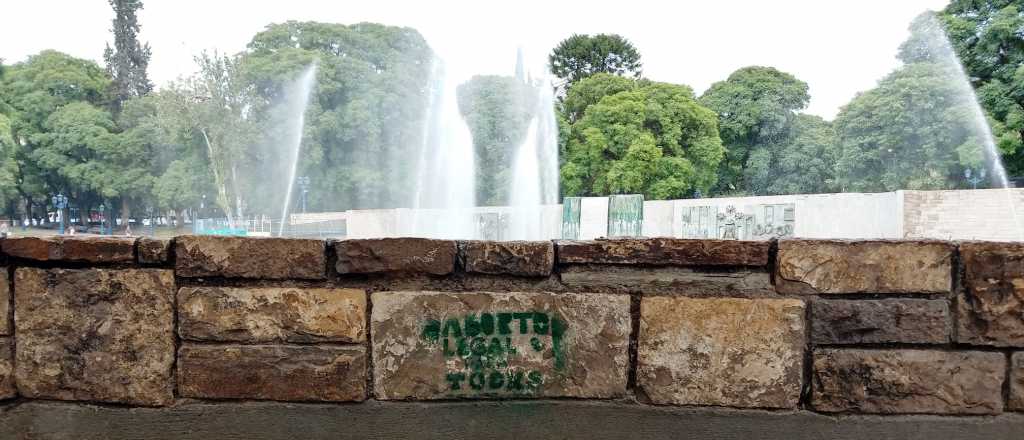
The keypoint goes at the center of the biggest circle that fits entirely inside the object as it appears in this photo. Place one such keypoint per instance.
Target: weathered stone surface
(95, 334)
(721, 351)
(675, 280)
(834, 266)
(250, 257)
(272, 314)
(64, 248)
(991, 307)
(432, 345)
(272, 372)
(379, 255)
(5, 302)
(665, 252)
(908, 381)
(7, 389)
(523, 258)
(153, 250)
(910, 321)
(1016, 402)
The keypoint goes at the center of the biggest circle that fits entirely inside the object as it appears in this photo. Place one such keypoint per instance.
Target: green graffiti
(484, 343)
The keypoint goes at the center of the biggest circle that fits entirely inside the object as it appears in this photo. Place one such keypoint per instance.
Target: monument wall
(229, 337)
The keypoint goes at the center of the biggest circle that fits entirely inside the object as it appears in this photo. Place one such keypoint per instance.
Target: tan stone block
(833, 266)
(78, 249)
(7, 388)
(432, 345)
(721, 351)
(908, 381)
(250, 257)
(991, 307)
(5, 303)
(272, 372)
(272, 314)
(153, 250)
(523, 258)
(101, 335)
(1016, 401)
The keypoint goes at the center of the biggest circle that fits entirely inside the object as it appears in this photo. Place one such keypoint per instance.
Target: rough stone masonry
(888, 338)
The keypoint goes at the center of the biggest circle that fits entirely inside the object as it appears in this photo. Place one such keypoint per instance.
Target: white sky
(839, 47)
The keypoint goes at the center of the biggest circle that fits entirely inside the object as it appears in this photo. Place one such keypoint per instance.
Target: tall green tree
(913, 131)
(989, 38)
(653, 139)
(756, 107)
(498, 110)
(128, 59)
(580, 56)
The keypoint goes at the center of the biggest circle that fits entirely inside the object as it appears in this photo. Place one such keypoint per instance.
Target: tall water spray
(445, 191)
(297, 96)
(535, 170)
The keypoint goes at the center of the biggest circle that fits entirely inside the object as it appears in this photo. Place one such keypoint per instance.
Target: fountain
(535, 170)
(297, 95)
(446, 172)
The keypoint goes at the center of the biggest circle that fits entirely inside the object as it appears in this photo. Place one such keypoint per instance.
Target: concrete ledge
(458, 420)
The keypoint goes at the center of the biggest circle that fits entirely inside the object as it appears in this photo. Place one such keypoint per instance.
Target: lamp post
(303, 182)
(103, 219)
(60, 201)
(976, 179)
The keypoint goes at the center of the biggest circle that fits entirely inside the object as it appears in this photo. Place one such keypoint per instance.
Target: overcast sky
(839, 47)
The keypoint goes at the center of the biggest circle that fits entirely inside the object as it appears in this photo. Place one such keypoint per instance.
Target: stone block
(836, 267)
(1016, 401)
(721, 351)
(433, 345)
(272, 314)
(990, 308)
(908, 381)
(677, 280)
(100, 335)
(522, 258)
(272, 372)
(250, 257)
(664, 252)
(153, 250)
(908, 321)
(77, 249)
(5, 302)
(402, 255)
(7, 388)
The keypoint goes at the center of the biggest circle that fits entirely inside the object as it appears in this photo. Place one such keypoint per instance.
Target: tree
(989, 40)
(913, 131)
(580, 56)
(756, 107)
(128, 59)
(498, 110)
(803, 164)
(654, 139)
(590, 90)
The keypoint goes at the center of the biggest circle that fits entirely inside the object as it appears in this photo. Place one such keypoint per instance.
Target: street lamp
(103, 219)
(303, 182)
(60, 201)
(974, 181)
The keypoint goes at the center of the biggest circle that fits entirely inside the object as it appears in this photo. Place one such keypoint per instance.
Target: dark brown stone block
(436, 257)
(705, 281)
(78, 249)
(665, 252)
(5, 302)
(7, 388)
(153, 250)
(991, 308)
(908, 381)
(95, 334)
(272, 314)
(1016, 402)
(250, 257)
(272, 372)
(836, 266)
(523, 258)
(910, 321)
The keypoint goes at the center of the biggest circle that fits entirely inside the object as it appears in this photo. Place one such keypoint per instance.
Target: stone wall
(840, 329)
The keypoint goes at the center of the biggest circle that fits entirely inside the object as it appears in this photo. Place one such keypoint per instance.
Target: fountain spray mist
(535, 169)
(297, 99)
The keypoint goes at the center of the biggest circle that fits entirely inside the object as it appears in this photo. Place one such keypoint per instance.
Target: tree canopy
(580, 56)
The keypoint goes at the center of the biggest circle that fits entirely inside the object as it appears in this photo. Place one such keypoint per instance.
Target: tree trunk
(179, 219)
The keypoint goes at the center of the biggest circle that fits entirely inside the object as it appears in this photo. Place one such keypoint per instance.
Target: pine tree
(128, 59)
